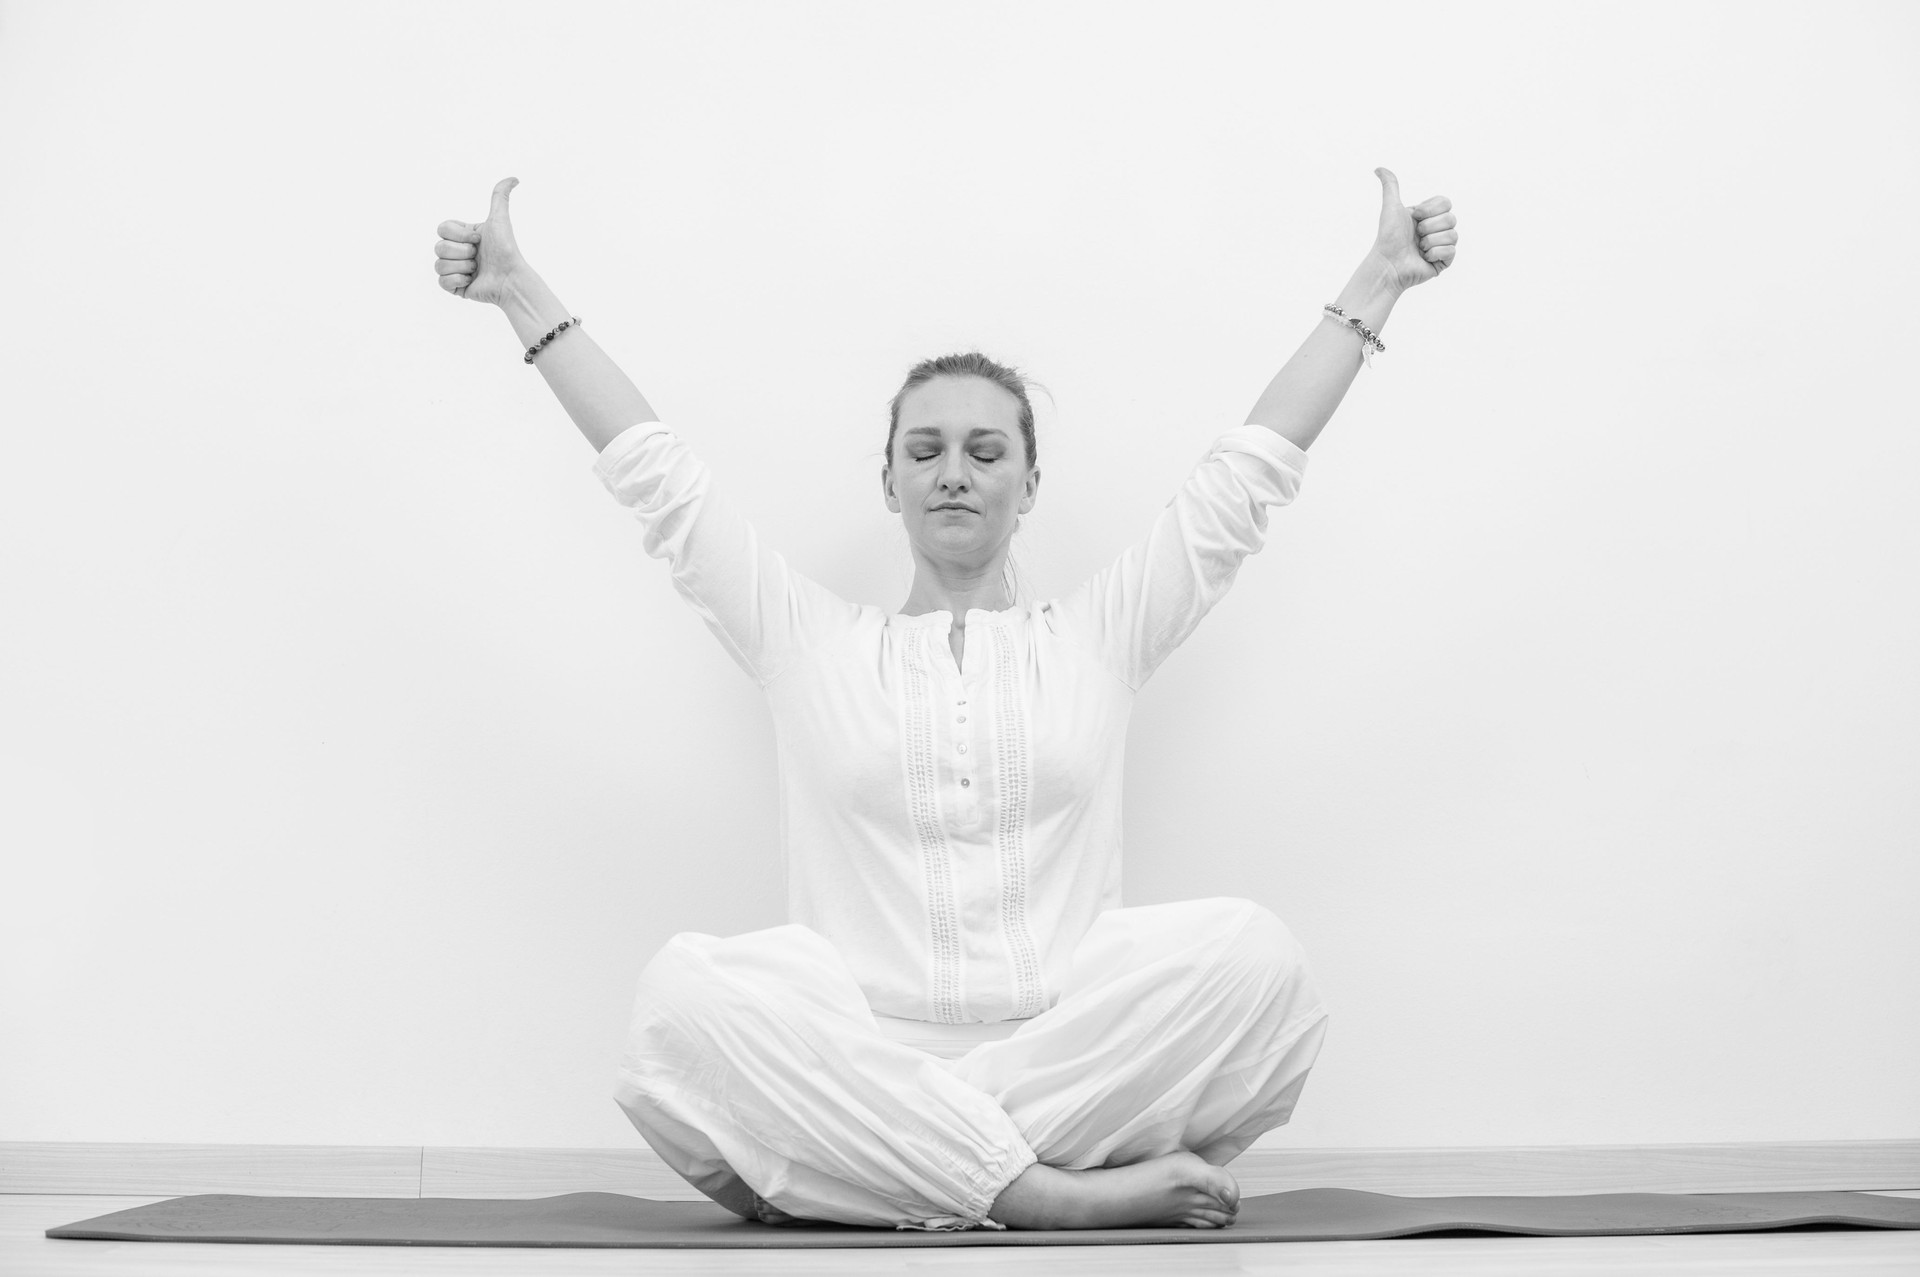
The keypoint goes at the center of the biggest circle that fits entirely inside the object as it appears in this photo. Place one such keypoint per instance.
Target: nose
(953, 473)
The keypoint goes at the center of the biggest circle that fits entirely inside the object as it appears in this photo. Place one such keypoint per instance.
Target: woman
(961, 1027)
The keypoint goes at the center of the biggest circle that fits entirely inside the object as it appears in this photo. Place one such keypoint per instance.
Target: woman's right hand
(477, 262)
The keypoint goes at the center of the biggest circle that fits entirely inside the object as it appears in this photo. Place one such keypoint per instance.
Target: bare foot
(1175, 1191)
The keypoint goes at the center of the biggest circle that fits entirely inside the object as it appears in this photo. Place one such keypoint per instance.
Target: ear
(1033, 490)
(886, 489)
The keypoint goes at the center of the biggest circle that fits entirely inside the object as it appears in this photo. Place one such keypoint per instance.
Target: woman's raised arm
(764, 612)
(1412, 245)
(483, 263)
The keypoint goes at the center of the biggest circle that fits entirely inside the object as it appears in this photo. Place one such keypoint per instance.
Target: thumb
(1389, 188)
(497, 214)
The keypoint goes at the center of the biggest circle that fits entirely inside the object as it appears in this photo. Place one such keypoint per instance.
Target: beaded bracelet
(1368, 341)
(564, 325)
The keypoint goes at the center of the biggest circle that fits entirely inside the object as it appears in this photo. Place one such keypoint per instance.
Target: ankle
(1035, 1199)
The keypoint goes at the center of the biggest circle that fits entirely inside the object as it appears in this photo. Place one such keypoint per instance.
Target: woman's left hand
(1415, 243)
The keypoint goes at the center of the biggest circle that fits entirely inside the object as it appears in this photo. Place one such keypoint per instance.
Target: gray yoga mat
(611, 1220)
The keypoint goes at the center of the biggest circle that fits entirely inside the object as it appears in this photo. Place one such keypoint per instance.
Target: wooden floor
(26, 1252)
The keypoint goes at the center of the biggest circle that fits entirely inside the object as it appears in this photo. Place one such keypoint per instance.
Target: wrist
(1377, 278)
(531, 307)
(1372, 291)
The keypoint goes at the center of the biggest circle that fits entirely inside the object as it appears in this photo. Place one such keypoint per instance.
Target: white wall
(353, 757)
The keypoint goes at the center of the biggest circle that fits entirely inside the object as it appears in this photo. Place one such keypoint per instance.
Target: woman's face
(958, 475)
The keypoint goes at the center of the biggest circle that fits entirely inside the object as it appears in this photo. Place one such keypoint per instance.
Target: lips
(956, 506)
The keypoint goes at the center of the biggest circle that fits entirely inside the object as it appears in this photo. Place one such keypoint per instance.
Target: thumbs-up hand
(1416, 243)
(476, 262)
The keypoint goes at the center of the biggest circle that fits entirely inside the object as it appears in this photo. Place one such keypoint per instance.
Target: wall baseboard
(327, 1170)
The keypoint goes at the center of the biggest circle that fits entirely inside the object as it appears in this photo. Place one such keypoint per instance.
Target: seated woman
(961, 1026)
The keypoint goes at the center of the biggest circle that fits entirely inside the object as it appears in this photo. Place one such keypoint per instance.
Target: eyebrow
(974, 433)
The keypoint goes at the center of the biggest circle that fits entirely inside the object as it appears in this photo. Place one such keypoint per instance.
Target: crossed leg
(1181, 1033)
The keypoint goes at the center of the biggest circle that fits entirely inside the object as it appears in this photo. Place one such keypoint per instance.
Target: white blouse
(952, 830)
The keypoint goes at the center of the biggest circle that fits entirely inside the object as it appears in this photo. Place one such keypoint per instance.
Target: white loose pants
(756, 1070)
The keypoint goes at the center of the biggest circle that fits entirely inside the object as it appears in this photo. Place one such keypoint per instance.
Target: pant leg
(754, 1068)
(1179, 1026)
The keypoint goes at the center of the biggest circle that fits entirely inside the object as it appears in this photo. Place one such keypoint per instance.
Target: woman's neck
(957, 594)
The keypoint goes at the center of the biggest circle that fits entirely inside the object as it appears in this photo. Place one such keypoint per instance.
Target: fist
(1416, 243)
(477, 262)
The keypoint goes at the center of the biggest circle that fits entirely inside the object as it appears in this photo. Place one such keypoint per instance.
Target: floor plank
(26, 1252)
(291, 1170)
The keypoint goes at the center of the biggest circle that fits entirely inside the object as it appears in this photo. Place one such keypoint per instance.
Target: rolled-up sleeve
(762, 611)
(1136, 612)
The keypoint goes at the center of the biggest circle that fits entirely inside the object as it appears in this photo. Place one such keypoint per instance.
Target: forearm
(1302, 396)
(600, 398)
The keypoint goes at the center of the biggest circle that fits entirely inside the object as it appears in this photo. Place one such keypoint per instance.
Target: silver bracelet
(1369, 342)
